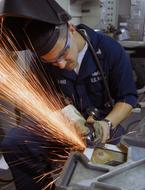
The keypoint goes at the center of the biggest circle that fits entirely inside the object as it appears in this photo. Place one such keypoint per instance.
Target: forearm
(119, 112)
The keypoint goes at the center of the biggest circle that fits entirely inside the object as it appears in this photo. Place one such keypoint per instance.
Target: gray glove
(98, 132)
(75, 117)
(102, 131)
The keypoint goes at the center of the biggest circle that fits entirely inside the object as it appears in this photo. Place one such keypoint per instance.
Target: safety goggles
(61, 54)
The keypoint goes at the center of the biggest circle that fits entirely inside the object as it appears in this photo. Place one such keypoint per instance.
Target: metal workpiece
(135, 153)
(77, 170)
(87, 171)
(81, 175)
(129, 176)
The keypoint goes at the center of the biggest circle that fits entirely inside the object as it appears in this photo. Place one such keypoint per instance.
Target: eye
(43, 60)
(66, 53)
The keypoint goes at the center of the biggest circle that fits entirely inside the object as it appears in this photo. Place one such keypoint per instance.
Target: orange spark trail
(32, 99)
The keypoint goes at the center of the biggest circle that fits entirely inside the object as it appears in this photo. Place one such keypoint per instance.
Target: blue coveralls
(85, 90)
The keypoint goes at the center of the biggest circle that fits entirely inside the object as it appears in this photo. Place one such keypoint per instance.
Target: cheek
(72, 57)
(54, 64)
(73, 54)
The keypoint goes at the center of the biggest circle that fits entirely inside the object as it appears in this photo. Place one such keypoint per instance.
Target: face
(65, 52)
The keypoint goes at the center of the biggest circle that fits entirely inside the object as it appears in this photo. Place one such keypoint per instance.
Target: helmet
(43, 36)
(43, 10)
(18, 14)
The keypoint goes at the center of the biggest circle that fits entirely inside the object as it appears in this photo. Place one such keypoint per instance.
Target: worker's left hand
(75, 117)
(102, 131)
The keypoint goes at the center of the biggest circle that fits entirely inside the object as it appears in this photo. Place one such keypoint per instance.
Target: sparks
(23, 89)
(31, 97)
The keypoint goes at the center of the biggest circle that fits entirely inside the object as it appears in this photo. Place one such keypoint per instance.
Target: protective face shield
(42, 10)
(17, 14)
(44, 36)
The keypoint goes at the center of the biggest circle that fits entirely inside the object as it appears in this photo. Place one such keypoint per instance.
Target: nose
(61, 64)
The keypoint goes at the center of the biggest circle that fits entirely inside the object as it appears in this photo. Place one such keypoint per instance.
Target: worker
(64, 54)
(73, 68)
(66, 57)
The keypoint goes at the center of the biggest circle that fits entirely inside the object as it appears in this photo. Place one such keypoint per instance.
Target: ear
(72, 28)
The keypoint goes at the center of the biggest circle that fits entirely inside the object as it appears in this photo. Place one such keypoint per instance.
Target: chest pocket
(66, 87)
(95, 77)
(95, 84)
(95, 80)
(96, 89)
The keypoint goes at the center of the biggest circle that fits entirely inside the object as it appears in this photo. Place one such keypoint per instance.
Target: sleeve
(121, 81)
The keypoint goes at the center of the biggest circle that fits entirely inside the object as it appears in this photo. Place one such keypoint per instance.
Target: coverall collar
(87, 67)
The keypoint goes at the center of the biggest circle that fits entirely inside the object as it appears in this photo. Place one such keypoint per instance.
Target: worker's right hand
(102, 131)
(75, 117)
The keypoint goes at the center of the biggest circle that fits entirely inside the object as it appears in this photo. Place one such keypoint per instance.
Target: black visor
(43, 36)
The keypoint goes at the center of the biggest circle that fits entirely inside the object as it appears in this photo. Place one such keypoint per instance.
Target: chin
(70, 66)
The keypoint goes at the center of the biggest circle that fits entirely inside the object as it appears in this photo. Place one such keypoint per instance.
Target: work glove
(102, 131)
(75, 117)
